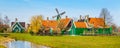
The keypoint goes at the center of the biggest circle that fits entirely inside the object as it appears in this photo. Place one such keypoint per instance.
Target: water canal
(23, 44)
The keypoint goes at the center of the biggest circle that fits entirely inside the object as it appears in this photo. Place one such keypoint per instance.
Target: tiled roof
(80, 24)
(53, 23)
(49, 23)
(97, 22)
(66, 21)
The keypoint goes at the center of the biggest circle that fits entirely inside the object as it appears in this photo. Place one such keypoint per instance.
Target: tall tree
(118, 29)
(1, 24)
(61, 25)
(4, 23)
(105, 14)
(6, 20)
(36, 23)
(1, 21)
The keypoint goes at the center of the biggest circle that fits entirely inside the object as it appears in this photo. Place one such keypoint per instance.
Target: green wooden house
(78, 28)
(90, 26)
(98, 26)
(18, 26)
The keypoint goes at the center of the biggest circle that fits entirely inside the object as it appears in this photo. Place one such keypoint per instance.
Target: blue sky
(24, 9)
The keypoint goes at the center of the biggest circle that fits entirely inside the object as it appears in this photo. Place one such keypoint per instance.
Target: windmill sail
(59, 14)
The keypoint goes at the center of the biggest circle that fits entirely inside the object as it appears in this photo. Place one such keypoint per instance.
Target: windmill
(59, 14)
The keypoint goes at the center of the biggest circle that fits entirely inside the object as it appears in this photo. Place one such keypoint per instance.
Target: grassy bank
(2, 46)
(71, 41)
(1, 39)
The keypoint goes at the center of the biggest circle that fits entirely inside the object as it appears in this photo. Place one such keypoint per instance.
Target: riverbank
(4, 40)
(71, 41)
(1, 46)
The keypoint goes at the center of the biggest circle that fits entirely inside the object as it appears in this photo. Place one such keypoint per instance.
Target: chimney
(66, 17)
(87, 16)
(47, 18)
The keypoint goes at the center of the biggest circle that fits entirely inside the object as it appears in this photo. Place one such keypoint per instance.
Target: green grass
(71, 41)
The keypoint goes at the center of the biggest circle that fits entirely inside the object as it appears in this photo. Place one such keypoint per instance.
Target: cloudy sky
(24, 9)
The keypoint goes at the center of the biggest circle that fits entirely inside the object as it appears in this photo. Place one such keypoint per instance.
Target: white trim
(18, 28)
(86, 24)
(13, 24)
(71, 26)
(74, 24)
(18, 23)
(68, 22)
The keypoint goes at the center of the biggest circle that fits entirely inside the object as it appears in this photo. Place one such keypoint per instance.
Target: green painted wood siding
(16, 29)
(98, 31)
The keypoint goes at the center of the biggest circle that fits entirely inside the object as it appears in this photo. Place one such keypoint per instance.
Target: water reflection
(23, 44)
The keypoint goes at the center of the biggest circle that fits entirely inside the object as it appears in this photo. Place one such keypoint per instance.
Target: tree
(36, 23)
(1, 21)
(6, 20)
(4, 24)
(105, 14)
(61, 25)
(114, 27)
(118, 29)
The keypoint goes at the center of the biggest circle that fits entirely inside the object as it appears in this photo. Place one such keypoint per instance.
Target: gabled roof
(21, 24)
(80, 24)
(65, 21)
(49, 23)
(97, 22)
(53, 23)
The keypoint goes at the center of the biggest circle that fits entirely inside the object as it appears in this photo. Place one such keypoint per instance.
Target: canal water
(23, 44)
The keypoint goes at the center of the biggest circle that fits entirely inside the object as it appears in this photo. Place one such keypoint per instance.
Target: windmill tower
(58, 14)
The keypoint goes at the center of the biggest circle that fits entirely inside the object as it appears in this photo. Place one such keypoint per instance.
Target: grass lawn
(71, 41)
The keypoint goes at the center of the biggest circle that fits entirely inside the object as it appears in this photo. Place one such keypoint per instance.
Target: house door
(73, 32)
(16, 30)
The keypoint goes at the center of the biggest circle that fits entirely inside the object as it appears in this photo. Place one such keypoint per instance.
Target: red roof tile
(49, 23)
(80, 24)
(97, 22)
(53, 23)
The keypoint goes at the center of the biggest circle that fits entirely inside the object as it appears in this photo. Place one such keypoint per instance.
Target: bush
(31, 32)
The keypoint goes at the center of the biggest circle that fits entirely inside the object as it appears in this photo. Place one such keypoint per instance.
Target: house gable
(17, 27)
(80, 24)
(97, 22)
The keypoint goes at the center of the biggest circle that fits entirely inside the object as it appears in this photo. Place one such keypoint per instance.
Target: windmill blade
(57, 11)
(62, 13)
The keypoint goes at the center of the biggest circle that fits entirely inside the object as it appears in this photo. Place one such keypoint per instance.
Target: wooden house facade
(51, 26)
(18, 26)
(90, 26)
